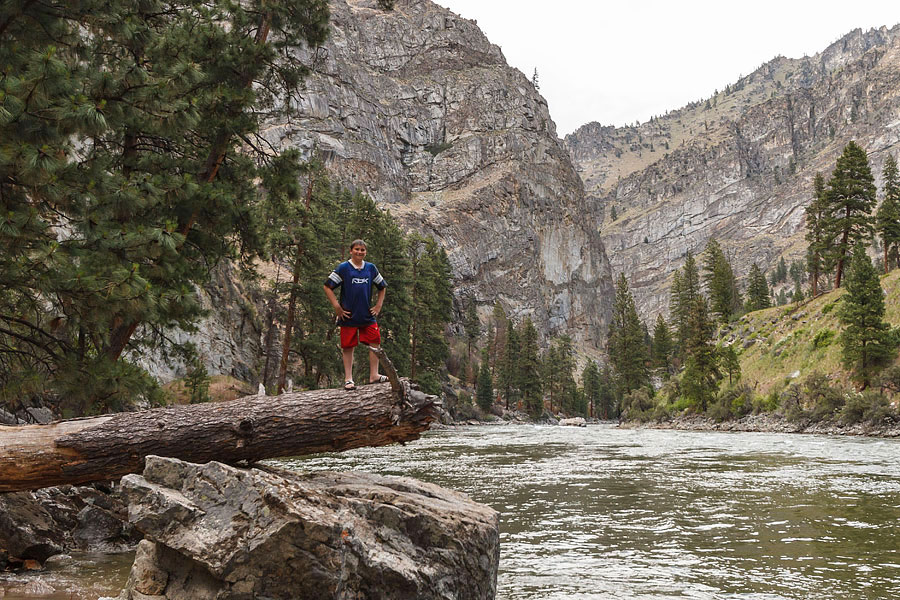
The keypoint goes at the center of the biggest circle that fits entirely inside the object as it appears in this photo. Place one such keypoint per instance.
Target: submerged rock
(215, 531)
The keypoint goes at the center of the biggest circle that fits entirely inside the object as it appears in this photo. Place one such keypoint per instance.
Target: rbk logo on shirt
(359, 280)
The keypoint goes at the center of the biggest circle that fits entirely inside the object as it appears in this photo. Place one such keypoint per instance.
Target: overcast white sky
(624, 61)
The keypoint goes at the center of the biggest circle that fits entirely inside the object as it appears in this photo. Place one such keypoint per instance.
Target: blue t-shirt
(356, 291)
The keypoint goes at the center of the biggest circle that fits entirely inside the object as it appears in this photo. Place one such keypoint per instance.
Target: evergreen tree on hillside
(887, 219)
(816, 234)
(485, 387)
(431, 303)
(529, 371)
(851, 198)
(758, 296)
(607, 403)
(590, 380)
(867, 343)
(121, 183)
(625, 346)
(508, 379)
(721, 284)
(662, 345)
(684, 298)
(559, 367)
(499, 325)
(695, 337)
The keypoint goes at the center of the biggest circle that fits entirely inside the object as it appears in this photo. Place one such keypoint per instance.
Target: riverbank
(767, 423)
(761, 423)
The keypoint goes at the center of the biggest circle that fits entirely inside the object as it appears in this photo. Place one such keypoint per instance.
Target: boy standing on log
(355, 313)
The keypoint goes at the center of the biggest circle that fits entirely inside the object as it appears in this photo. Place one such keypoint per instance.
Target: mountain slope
(416, 108)
(738, 167)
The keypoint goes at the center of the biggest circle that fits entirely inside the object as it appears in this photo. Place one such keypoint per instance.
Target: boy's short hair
(358, 242)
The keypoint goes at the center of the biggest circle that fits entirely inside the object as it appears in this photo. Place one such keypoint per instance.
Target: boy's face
(358, 253)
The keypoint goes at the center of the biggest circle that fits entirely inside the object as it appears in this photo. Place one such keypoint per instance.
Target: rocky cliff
(416, 108)
(739, 165)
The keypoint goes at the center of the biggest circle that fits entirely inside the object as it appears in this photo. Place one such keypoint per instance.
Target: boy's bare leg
(373, 365)
(347, 356)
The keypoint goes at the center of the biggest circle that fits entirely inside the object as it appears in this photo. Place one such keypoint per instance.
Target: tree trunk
(247, 429)
(289, 321)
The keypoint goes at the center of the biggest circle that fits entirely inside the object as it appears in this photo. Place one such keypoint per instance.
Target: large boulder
(37, 525)
(215, 531)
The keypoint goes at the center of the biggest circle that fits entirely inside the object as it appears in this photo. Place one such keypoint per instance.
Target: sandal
(349, 385)
(381, 379)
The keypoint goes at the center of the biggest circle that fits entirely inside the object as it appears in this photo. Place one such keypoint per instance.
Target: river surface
(601, 512)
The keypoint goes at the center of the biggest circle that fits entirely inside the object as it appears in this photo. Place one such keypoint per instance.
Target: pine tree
(695, 331)
(508, 380)
(485, 387)
(851, 198)
(590, 380)
(730, 363)
(816, 234)
(662, 344)
(626, 348)
(757, 290)
(529, 370)
(431, 304)
(120, 181)
(887, 219)
(721, 284)
(684, 297)
(559, 367)
(867, 343)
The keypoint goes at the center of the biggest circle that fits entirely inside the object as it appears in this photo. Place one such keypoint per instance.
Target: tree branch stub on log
(247, 429)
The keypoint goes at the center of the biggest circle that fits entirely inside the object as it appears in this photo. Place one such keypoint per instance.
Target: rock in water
(215, 531)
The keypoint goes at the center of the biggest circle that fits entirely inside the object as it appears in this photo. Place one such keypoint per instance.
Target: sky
(622, 61)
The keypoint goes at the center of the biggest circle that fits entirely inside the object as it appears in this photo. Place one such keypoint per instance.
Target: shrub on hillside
(638, 406)
(870, 406)
(821, 397)
(823, 339)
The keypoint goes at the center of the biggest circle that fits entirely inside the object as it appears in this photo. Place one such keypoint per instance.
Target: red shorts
(369, 335)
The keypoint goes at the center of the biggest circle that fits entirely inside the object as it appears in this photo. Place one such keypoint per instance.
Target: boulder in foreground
(215, 531)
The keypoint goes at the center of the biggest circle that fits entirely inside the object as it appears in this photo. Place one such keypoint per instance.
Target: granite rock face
(738, 166)
(416, 108)
(214, 531)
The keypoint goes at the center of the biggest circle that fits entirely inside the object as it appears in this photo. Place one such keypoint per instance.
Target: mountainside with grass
(737, 166)
(783, 344)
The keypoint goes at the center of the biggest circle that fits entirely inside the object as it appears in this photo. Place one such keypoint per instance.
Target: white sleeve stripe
(335, 277)
(379, 278)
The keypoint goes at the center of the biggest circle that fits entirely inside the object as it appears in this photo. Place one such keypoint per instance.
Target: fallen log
(247, 429)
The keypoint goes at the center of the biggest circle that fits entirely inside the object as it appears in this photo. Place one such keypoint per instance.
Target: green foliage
(887, 218)
(721, 284)
(197, 381)
(591, 390)
(485, 388)
(816, 236)
(662, 345)
(731, 364)
(638, 405)
(757, 290)
(870, 406)
(850, 198)
(559, 380)
(823, 338)
(121, 183)
(625, 343)
(867, 343)
(529, 368)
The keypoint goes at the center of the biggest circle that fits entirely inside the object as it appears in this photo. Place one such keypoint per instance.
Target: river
(601, 512)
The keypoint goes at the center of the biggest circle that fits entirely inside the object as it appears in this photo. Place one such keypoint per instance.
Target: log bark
(247, 429)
